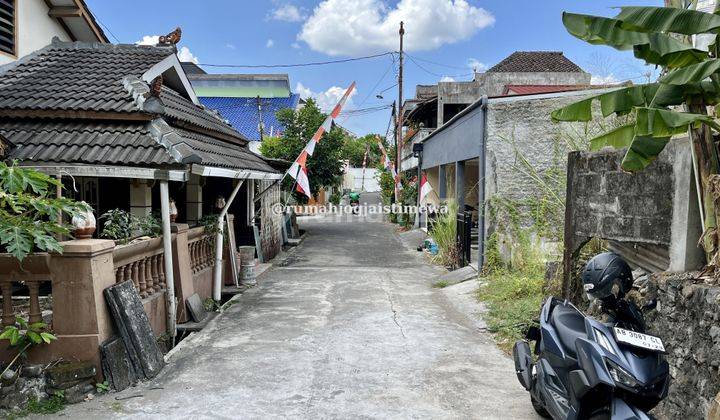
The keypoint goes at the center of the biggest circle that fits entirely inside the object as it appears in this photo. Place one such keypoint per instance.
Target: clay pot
(84, 233)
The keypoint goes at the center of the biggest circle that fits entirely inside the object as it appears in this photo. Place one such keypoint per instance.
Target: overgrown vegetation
(513, 298)
(23, 336)
(681, 101)
(122, 226)
(30, 211)
(443, 232)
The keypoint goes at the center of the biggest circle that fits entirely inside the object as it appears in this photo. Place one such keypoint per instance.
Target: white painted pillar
(193, 199)
(140, 198)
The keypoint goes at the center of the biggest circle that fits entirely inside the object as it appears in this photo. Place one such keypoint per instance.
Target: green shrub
(444, 232)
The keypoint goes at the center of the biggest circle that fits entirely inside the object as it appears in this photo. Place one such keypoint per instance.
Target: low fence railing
(34, 271)
(201, 248)
(143, 263)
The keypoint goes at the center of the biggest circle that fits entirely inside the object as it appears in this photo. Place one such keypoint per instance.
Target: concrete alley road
(346, 326)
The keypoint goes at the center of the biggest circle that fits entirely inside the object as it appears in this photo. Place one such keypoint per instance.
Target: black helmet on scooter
(604, 271)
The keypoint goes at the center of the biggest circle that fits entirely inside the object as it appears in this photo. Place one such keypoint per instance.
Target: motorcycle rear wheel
(539, 408)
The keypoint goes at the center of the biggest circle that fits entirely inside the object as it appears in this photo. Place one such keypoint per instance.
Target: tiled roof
(536, 61)
(77, 77)
(85, 142)
(242, 113)
(101, 77)
(176, 106)
(121, 143)
(537, 89)
(74, 76)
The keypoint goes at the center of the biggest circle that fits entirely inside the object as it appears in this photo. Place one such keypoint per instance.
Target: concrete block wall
(655, 210)
(613, 204)
(271, 232)
(525, 126)
(493, 83)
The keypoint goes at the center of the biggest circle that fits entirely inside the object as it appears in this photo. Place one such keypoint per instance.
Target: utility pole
(260, 120)
(398, 138)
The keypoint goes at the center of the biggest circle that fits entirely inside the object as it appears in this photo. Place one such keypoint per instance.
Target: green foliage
(444, 232)
(354, 150)
(324, 166)
(102, 388)
(513, 299)
(440, 284)
(52, 405)
(30, 210)
(649, 32)
(122, 226)
(23, 336)
(335, 197)
(211, 305)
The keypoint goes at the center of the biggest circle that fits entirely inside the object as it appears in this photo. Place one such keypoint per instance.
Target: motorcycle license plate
(644, 341)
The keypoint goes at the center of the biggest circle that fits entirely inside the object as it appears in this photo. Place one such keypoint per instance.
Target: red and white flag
(388, 164)
(298, 170)
(425, 187)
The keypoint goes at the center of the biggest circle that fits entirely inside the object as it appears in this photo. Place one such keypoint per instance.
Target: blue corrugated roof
(243, 113)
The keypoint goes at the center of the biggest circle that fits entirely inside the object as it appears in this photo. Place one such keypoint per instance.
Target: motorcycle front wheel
(539, 408)
(603, 414)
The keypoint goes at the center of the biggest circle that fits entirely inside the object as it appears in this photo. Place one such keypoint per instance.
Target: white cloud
(183, 53)
(352, 27)
(609, 79)
(476, 65)
(325, 100)
(149, 40)
(447, 79)
(269, 43)
(295, 45)
(230, 46)
(287, 13)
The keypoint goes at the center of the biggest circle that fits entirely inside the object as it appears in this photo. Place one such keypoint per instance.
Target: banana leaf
(654, 48)
(622, 101)
(658, 123)
(669, 52)
(643, 151)
(618, 138)
(667, 19)
(693, 73)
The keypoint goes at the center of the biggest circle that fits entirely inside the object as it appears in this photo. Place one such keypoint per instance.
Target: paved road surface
(348, 326)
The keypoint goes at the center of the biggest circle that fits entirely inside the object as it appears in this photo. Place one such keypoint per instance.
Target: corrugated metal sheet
(649, 257)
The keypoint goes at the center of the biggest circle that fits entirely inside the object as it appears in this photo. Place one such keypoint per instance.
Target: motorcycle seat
(569, 325)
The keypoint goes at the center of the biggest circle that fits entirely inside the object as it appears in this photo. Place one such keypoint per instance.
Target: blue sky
(458, 34)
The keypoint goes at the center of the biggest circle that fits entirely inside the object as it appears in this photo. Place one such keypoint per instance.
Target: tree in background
(325, 165)
(354, 150)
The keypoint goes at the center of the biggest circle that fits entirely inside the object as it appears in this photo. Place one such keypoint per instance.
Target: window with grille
(7, 26)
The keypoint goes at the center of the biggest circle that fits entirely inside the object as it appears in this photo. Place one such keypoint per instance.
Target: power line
(436, 63)
(107, 28)
(315, 63)
(436, 74)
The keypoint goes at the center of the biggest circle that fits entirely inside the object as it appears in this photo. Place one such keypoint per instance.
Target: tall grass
(443, 232)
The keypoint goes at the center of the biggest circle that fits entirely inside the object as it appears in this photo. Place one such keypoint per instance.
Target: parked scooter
(354, 201)
(587, 369)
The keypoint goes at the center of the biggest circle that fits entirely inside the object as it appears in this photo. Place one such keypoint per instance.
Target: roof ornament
(172, 38)
(155, 86)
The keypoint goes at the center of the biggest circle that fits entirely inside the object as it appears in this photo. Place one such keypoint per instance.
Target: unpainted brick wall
(271, 232)
(609, 203)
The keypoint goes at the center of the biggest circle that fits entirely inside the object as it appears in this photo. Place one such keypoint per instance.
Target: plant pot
(84, 233)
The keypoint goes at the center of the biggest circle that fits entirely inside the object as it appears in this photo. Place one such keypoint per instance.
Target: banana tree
(676, 104)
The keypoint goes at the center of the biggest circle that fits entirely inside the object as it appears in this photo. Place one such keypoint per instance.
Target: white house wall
(35, 29)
